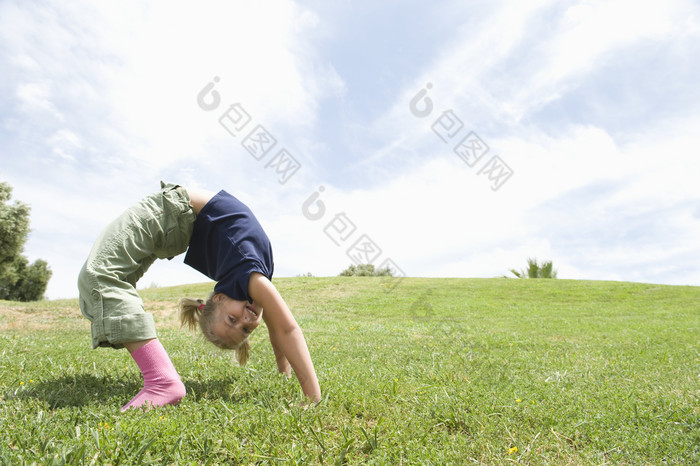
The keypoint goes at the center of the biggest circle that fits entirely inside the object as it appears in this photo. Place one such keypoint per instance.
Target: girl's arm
(282, 363)
(285, 334)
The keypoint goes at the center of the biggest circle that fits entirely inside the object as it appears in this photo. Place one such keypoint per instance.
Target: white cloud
(64, 142)
(520, 56)
(104, 104)
(587, 36)
(103, 97)
(507, 66)
(37, 96)
(138, 68)
(174, 50)
(598, 209)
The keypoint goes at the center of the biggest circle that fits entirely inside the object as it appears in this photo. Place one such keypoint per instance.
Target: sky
(449, 138)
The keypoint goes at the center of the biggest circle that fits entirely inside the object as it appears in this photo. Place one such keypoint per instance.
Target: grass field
(435, 371)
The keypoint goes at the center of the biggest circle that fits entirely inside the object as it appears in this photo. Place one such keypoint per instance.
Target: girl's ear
(218, 297)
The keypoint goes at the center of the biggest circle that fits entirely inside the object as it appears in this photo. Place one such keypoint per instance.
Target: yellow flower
(518, 400)
(512, 450)
(21, 383)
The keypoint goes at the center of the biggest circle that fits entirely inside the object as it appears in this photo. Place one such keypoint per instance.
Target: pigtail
(190, 310)
(243, 352)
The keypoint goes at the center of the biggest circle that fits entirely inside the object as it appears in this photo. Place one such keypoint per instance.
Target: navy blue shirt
(228, 244)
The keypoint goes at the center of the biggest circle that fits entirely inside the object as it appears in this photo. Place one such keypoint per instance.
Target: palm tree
(535, 270)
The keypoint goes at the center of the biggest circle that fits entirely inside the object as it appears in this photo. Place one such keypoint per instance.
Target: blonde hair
(198, 313)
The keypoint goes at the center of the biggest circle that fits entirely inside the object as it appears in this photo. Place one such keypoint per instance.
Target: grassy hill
(427, 370)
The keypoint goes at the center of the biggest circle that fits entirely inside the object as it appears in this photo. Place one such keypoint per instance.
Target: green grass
(435, 371)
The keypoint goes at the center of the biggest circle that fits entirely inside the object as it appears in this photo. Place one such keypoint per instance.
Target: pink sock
(161, 382)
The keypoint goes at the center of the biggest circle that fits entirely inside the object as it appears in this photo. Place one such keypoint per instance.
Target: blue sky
(589, 110)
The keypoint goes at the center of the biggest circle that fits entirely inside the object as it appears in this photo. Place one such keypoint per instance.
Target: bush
(536, 270)
(366, 270)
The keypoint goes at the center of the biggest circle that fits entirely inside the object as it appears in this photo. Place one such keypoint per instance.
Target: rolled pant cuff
(120, 329)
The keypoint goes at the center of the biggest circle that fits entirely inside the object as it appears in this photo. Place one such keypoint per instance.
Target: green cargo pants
(157, 227)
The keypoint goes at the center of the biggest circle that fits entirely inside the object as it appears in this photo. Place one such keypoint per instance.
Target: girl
(225, 242)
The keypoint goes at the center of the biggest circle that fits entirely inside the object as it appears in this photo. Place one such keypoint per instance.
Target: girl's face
(236, 320)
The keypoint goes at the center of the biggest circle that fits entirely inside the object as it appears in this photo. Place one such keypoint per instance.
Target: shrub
(366, 270)
(536, 270)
